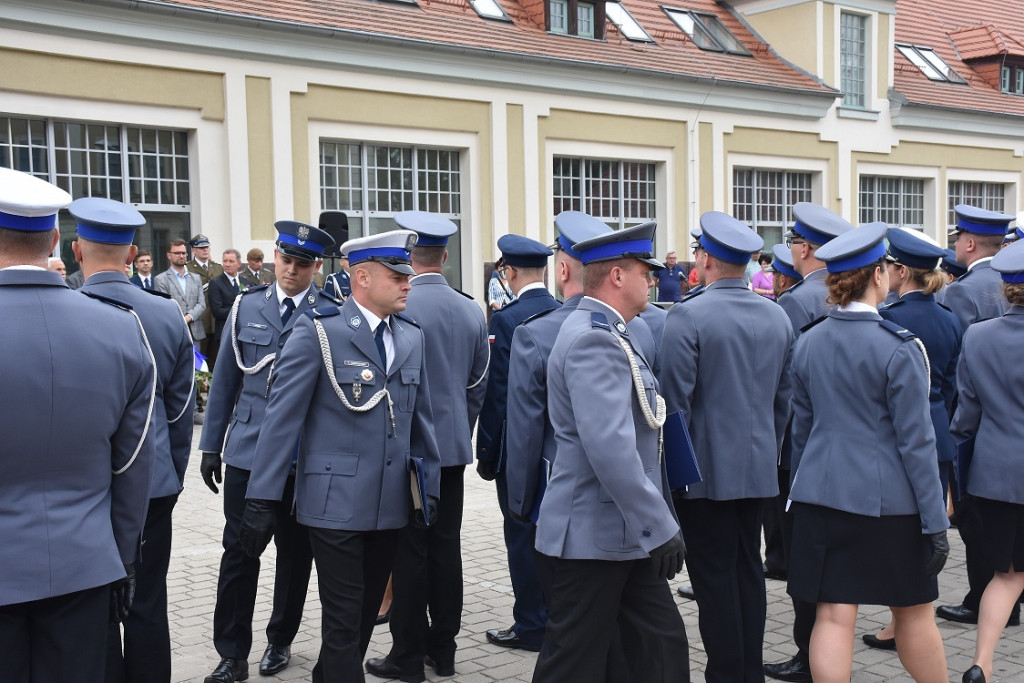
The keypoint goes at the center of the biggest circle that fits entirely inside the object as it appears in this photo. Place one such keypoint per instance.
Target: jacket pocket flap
(344, 464)
(410, 375)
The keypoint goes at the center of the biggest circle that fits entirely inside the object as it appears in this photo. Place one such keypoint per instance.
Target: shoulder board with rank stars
(254, 288)
(156, 292)
(108, 300)
(535, 316)
(900, 331)
(599, 321)
(323, 312)
(812, 323)
(407, 319)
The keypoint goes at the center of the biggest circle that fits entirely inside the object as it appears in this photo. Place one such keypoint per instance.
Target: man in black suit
(143, 278)
(223, 290)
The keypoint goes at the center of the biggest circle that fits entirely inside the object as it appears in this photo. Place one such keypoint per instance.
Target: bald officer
(428, 563)
(105, 231)
(805, 302)
(715, 344)
(353, 383)
(606, 534)
(76, 458)
(260, 322)
(525, 261)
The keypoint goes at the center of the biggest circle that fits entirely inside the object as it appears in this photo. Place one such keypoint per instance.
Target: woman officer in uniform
(869, 524)
(990, 409)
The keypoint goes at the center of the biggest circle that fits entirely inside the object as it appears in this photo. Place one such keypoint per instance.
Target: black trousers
(593, 602)
(723, 544)
(63, 638)
(147, 638)
(239, 574)
(428, 577)
(777, 536)
(353, 569)
(529, 612)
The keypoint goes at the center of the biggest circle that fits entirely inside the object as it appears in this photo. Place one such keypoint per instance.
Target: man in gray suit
(184, 287)
(76, 459)
(715, 344)
(428, 563)
(104, 245)
(353, 383)
(607, 502)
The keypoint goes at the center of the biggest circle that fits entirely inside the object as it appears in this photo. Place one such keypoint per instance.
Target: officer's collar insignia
(302, 233)
(269, 292)
(620, 326)
(356, 321)
(311, 299)
(367, 375)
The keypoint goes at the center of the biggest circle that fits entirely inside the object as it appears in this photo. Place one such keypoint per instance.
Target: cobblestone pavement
(488, 604)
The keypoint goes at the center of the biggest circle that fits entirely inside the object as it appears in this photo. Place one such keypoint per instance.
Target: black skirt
(1000, 533)
(840, 557)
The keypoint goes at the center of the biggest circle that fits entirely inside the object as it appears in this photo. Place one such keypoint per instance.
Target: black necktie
(234, 283)
(289, 308)
(145, 283)
(378, 338)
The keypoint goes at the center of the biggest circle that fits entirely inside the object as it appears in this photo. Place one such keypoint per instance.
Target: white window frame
(868, 59)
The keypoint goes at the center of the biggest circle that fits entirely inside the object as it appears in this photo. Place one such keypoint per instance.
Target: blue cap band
(783, 269)
(722, 252)
(97, 234)
(614, 250)
(1012, 278)
(28, 223)
(567, 247)
(308, 245)
(358, 255)
(913, 260)
(856, 261)
(424, 240)
(981, 228)
(1020, 233)
(810, 234)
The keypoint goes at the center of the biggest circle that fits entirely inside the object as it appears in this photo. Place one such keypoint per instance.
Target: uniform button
(646, 532)
(280, 344)
(389, 461)
(328, 468)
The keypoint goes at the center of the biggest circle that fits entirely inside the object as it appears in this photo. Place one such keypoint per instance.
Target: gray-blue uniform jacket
(171, 343)
(724, 362)
(991, 406)
(353, 467)
(74, 414)
(976, 295)
(457, 352)
(805, 301)
(654, 317)
(608, 496)
(863, 440)
(530, 439)
(241, 381)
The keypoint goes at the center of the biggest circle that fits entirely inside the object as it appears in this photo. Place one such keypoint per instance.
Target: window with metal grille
(764, 199)
(370, 183)
(853, 30)
(145, 167)
(896, 201)
(991, 196)
(620, 193)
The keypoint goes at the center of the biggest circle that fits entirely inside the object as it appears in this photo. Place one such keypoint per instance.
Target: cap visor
(289, 250)
(652, 262)
(403, 268)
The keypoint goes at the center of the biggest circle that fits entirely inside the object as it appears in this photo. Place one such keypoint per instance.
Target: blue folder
(680, 460)
(964, 455)
(418, 485)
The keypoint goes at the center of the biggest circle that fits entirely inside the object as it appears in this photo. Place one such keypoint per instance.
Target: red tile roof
(454, 23)
(959, 31)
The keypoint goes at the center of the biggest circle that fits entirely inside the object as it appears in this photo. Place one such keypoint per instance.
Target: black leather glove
(938, 552)
(257, 526)
(418, 519)
(668, 557)
(518, 517)
(485, 468)
(122, 593)
(210, 469)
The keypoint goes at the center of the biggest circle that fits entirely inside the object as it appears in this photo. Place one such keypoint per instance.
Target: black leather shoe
(228, 671)
(957, 613)
(773, 573)
(382, 667)
(509, 638)
(871, 640)
(275, 658)
(793, 670)
(974, 675)
(443, 670)
(686, 591)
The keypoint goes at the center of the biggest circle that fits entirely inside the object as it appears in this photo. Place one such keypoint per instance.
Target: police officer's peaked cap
(914, 249)
(29, 204)
(523, 252)
(854, 249)
(951, 265)
(576, 226)
(302, 241)
(433, 229)
(105, 221)
(636, 242)
(981, 221)
(783, 262)
(727, 238)
(388, 248)
(816, 224)
(1009, 263)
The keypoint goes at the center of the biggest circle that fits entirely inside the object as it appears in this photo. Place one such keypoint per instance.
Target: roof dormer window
(576, 18)
(627, 25)
(489, 9)
(931, 64)
(1011, 79)
(706, 31)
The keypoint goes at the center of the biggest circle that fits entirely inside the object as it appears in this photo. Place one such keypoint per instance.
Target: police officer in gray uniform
(607, 502)
(428, 563)
(105, 232)
(261, 321)
(353, 382)
(805, 302)
(726, 353)
(75, 419)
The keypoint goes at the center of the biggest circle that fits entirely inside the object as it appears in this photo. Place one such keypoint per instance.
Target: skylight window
(489, 9)
(930, 64)
(625, 22)
(706, 31)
